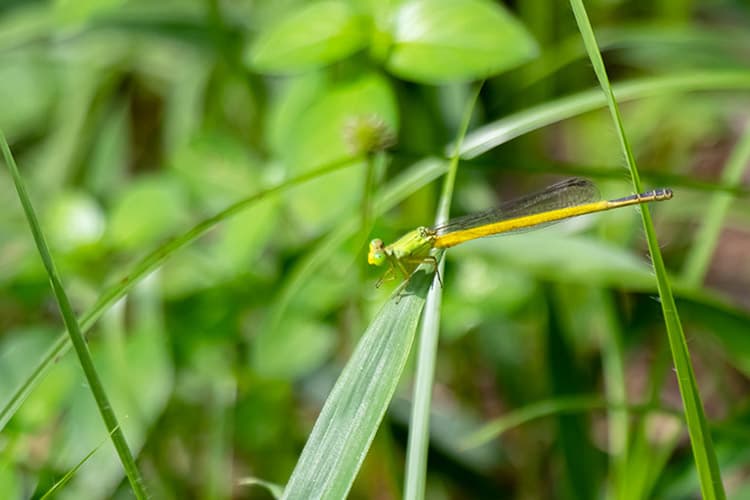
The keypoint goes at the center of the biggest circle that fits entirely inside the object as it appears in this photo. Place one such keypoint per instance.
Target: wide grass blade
(700, 436)
(74, 330)
(352, 413)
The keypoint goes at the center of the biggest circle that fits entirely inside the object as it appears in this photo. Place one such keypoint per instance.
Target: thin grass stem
(700, 436)
(74, 331)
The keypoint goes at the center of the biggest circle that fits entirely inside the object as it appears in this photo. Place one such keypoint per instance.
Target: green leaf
(32, 84)
(353, 411)
(302, 346)
(310, 128)
(551, 255)
(151, 208)
(11, 482)
(311, 37)
(310, 122)
(75, 221)
(69, 12)
(16, 349)
(436, 41)
(217, 168)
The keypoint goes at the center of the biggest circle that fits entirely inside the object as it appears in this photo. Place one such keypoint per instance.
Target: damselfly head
(376, 255)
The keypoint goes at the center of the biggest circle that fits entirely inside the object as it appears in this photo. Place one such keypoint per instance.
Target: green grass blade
(419, 424)
(571, 404)
(139, 271)
(700, 437)
(499, 132)
(615, 386)
(69, 475)
(352, 412)
(273, 489)
(704, 242)
(76, 335)
(494, 428)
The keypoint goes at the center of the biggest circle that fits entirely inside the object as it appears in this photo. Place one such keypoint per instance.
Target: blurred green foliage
(133, 121)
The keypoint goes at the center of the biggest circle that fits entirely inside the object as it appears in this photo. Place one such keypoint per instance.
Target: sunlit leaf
(444, 40)
(315, 35)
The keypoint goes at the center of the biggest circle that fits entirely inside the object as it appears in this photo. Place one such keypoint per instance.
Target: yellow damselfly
(563, 200)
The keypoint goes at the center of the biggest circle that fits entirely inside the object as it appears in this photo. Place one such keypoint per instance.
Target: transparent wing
(564, 194)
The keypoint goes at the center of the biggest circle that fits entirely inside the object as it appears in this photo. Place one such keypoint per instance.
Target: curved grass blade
(355, 407)
(138, 272)
(273, 489)
(74, 330)
(499, 132)
(700, 436)
(573, 404)
(607, 171)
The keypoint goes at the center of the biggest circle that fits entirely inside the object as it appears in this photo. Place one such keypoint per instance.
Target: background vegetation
(208, 174)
